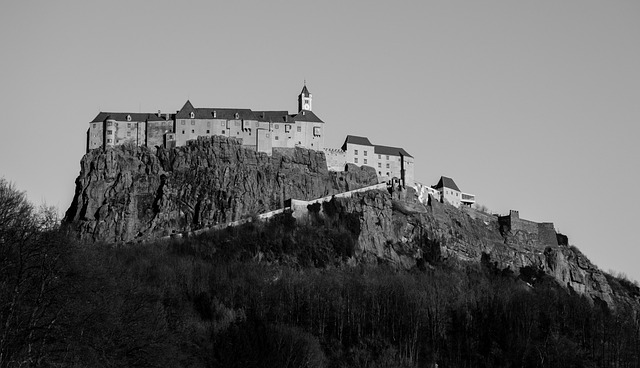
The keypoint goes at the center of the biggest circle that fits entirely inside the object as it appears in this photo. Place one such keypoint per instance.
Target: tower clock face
(306, 106)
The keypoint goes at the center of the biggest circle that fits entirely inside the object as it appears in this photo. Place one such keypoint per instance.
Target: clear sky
(530, 105)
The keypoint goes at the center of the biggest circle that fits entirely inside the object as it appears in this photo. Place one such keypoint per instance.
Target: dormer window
(214, 114)
(192, 115)
(128, 117)
(237, 116)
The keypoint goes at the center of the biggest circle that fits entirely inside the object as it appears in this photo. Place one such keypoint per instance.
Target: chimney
(159, 113)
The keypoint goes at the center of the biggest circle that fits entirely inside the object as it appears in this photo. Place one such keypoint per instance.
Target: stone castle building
(259, 130)
(262, 131)
(389, 162)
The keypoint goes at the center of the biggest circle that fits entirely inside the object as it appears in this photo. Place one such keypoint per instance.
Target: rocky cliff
(402, 231)
(131, 193)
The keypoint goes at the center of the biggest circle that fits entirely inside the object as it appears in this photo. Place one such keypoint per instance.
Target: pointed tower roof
(305, 91)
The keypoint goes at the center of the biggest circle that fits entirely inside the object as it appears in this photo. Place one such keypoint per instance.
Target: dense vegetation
(281, 294)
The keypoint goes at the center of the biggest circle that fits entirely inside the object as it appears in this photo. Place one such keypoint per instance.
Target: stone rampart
(543, 234)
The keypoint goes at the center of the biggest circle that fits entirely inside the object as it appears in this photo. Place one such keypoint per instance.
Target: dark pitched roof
(122, 116)
(446, 183)
(272, 116)
(305, 91)
(354, 139)
(211, 113)
(306, 116)
(395, 151)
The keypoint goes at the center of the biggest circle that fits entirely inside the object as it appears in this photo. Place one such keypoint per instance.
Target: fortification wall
(547, 234)
(336, 159)
(524, 225)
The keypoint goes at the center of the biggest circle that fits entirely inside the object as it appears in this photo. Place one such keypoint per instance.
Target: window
(193, 122)
(365, 161)
(207, 131)
(276, 126)
(379, 165)
(365, 152)
(387, 158)
(109, 123)
(299, 129)
(108, 140)
(128, 125)
(193, 131)
(94, 126)
(277, 138)
(355, 160)
(379, 157)
(183, 132)
(222, 124)
(223, 131)
(355, 152)
(109, 131)
(387, 165)
(181, 122)
(192, 115)
(287, 128)
(316, 131)
(128, 134)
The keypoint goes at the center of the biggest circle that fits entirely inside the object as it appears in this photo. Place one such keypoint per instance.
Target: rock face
(132, 193)
(405, 233)
(126, 194)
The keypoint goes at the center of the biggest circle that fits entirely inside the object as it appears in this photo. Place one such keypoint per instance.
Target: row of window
(364, 152)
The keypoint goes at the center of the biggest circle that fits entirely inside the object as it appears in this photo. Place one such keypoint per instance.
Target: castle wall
(95, 136)
(547, 234)
(264, 141)
(336, 159)
(156, 131)
(544, 233)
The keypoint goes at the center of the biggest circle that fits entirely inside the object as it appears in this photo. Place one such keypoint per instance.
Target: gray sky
(530, 105)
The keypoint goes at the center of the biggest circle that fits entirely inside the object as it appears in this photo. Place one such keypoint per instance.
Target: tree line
(281, 294)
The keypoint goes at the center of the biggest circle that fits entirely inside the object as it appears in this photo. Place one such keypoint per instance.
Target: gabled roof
(122, 116)
(272, 116)
(354, 139)
(306, 116)
(211, 113)
(446, 182)
(395, 151)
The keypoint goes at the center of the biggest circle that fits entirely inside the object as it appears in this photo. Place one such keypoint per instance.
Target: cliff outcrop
(129, 193)
(406, 233)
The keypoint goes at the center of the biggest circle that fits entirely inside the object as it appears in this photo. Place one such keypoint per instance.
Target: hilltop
(133, 194)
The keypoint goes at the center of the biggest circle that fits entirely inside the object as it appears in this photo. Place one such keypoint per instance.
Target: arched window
(192, 115)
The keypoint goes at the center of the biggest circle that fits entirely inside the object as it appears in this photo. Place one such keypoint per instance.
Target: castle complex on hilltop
(258, 130)
(262, 131)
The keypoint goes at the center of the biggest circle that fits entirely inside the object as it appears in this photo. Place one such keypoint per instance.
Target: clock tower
(304, 100)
